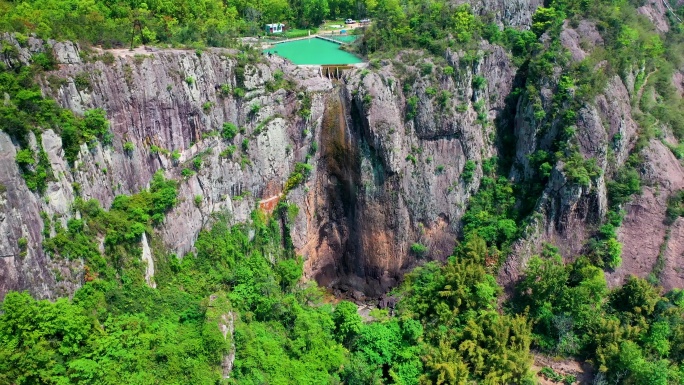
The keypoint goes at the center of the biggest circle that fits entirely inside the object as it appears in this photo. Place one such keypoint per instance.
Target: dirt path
(264, 201)
(581, 370)
(643, 87)
(270, 204)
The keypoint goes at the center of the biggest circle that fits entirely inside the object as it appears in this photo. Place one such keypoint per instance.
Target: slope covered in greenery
(118, 330)
(446, 328)
(631, 334)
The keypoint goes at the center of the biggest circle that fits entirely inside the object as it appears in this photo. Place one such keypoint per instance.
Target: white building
(275, 28)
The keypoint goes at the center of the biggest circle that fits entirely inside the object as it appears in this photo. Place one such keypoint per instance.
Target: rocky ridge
(359, 239)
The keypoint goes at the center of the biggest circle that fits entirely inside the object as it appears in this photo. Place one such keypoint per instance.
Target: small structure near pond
(275, 28)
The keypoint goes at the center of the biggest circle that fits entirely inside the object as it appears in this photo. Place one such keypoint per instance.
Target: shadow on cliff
(339, 171)
(347, 224)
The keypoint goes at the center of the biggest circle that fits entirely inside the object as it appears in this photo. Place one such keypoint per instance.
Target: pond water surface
(314, 52)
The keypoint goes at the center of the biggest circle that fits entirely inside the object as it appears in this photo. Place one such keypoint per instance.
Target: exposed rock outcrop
(149, 262)
(385, 182)
(656, 11)
(170, 99)
(221, 314)
(645, 233)
(507, 12)
(568, 213)
(23, 263)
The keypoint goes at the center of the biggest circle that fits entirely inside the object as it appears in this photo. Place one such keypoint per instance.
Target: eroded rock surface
(169, 99)
(645, 233)
(385, 182)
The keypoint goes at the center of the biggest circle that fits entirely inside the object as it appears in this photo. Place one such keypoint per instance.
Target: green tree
(347, 322)
(314, 12)
(289, 272)
(544, 18)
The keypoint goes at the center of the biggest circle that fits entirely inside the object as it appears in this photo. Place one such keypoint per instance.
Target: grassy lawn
(293, 33)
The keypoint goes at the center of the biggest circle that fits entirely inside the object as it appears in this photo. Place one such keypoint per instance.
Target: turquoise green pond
(314, 51)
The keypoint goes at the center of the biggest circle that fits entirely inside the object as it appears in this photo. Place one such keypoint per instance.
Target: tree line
(187, 22)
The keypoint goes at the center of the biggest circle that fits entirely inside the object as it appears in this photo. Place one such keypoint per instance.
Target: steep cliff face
(169, 99)
(381, 182)
(390, 172)
(569, 214)
(27, 267)
(570, 209)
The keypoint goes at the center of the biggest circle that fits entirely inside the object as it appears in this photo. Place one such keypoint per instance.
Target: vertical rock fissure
(353, 175)
(340, 163)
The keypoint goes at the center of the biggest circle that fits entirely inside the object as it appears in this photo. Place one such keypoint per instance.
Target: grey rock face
(28, 267)
(506, 12)
(384, 182)
(169, 99)
(172, 100)
(569, 213)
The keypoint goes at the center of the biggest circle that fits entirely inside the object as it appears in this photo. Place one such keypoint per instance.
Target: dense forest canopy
(451, 324)
(207, 22)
